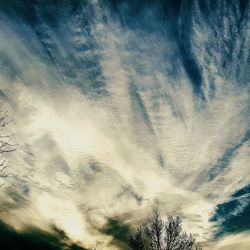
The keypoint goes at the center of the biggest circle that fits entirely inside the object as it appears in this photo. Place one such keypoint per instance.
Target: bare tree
(5, 145)
(153, 229)
(98, 245)
(155, 234)
(138, 241)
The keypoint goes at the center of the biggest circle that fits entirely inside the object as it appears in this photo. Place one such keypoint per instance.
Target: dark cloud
(119, 231)
(35, 239)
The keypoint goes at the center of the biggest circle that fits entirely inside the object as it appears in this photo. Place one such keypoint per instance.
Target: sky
(120, 108)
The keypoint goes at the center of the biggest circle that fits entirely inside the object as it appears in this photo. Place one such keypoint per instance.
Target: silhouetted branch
(154, 234)
(5, 145)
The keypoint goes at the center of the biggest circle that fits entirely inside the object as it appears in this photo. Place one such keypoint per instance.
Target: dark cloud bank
(35, 239)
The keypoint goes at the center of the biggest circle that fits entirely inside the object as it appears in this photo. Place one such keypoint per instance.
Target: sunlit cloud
(113, 118)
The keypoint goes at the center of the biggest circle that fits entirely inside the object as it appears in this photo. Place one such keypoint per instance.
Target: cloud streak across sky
(121, 107)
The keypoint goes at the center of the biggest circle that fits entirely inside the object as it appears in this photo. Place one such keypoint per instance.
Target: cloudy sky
(121, 107)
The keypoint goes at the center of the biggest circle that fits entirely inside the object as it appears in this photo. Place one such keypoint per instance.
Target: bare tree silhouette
(5, 145)
(155, 234)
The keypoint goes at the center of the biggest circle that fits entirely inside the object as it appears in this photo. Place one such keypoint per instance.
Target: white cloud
(146, 116)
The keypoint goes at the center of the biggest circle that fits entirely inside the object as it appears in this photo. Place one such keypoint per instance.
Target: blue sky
(123, 106)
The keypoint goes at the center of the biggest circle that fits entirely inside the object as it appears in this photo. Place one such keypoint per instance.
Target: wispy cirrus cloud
(116, 114)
